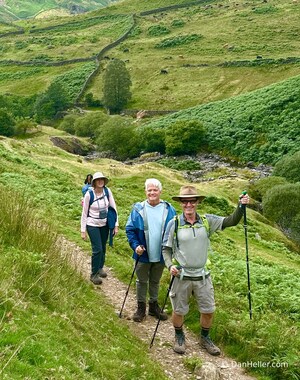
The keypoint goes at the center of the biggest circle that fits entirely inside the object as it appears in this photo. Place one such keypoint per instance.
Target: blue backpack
(111, 214)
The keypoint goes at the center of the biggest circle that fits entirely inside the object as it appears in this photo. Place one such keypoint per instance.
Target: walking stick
(162, 309)
(136, 262)
(247, 257)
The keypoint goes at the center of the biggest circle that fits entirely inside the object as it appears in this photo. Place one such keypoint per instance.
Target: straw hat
(188, 192)
(99, 175)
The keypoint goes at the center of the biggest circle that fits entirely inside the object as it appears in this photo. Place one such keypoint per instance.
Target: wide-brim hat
(188, 192)
(99, 175)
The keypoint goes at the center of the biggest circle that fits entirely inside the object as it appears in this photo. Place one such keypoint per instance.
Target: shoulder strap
(106, 192)
(205, 224)
(91, 196)
(91, 201)
(176, 229)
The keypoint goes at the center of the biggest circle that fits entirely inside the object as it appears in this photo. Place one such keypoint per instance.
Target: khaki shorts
(203, 291)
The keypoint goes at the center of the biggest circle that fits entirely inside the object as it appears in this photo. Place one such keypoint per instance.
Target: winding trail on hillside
(218, 368)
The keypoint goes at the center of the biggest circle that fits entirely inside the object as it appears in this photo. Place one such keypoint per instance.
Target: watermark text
(258, 364)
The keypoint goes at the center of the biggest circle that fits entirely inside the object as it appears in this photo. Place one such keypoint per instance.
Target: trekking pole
(135, 265)
(247, 257)
(162, 309)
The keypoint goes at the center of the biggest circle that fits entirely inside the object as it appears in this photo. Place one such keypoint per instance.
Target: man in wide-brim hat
(187, 192)
(185, 251)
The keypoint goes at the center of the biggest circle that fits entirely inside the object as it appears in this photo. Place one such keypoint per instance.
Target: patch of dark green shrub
(258, 189)
(158, 30)
(174, 163)
(178, 40)
(265, 9)
(184, 137)
(177, 23)
(216, 205)
(288, 167)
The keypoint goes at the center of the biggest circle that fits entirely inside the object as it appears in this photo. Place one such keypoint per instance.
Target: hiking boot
(96, 279)
(209, 346)
(102, 273)
(156, 311)
(179, 345)
(140, 314)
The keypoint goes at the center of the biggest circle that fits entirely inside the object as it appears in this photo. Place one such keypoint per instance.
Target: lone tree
(116, 87)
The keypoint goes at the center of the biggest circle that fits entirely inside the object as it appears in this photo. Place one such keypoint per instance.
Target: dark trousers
(148, 278)
(98, 237)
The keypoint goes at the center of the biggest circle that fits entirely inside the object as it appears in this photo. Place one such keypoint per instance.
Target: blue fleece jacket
(137, 228)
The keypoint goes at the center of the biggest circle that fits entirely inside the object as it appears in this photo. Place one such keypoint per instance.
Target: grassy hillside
(50, 180)
(12, 10)
(209, 51)
(53, 324)
(262, 126)
(228, 32)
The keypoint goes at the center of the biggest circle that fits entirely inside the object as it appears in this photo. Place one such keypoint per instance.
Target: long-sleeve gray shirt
(190, 248)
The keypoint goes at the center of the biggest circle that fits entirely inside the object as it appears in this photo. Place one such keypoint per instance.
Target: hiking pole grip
(127, 291)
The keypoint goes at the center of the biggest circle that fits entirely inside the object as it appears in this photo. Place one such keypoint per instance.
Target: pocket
(103, 214)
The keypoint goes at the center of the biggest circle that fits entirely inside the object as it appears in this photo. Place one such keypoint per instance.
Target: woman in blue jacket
(145, 228)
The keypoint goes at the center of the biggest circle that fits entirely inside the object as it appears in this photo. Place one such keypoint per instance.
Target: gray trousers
(148, 273)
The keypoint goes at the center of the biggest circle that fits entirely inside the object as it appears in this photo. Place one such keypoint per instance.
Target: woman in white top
(94, 223)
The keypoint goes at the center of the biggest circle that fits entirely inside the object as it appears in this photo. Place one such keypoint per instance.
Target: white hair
(153, 181)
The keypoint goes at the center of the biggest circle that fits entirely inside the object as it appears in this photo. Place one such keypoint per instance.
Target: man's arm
(236, 216)
(167, 244)
(167, 255)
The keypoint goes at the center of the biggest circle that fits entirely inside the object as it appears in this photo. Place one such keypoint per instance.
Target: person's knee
(177, 319)
(206, 319)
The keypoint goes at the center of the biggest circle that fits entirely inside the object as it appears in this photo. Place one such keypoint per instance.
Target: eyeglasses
(186, 201)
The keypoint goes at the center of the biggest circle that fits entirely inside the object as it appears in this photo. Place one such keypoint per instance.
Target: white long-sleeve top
(90, 214)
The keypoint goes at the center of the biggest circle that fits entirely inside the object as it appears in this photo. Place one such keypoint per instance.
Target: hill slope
(11, 10)
(262, 126)
(52, 180)
(177, 58)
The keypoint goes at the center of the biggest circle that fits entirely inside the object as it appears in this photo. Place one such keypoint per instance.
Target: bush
(281, 204)
(51, 102)
(184, 137)
(118, 137)
(157, 30)
(184, 164)
(89, 124)
(68, 124)
(178, 40)
(259, 188)
(216, 205)
(288, 167)
(295, 228)
(24, 125)
(91, 101)
(177, 23)
(7, 123)
(153, 140)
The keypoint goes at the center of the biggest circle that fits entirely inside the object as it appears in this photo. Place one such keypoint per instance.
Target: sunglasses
(191, 201)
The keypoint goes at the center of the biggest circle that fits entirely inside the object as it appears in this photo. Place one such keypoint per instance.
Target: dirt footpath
(218, 368)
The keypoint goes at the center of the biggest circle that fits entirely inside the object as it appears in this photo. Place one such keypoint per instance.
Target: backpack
(111, 214)
(204, 221)
(84, 190)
